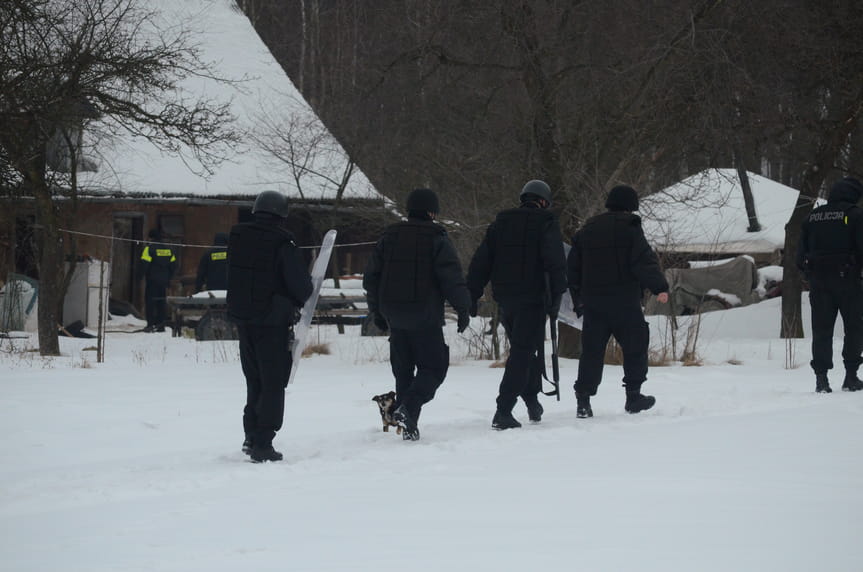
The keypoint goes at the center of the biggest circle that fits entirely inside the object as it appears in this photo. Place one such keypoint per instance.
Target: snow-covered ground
(135, 464)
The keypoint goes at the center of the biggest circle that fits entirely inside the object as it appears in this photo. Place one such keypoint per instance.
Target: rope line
(141, 241)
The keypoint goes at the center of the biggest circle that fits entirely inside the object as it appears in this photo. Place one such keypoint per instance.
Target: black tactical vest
(517, 268)
(830, 239)
(606, 246)
(252, 269)
(408, 273)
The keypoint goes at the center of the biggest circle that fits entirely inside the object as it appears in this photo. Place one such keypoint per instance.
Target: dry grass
(321, 349)
(658, 358)
(498, 363)
(734, 361)
(613, 353)
(655, 357)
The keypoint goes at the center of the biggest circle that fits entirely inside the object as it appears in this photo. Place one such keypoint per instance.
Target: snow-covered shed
(704, 217)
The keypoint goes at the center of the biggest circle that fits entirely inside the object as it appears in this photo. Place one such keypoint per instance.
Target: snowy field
(135, 464)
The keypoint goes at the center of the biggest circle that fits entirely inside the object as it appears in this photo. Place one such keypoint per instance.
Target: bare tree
(473, 98)
(64, 63)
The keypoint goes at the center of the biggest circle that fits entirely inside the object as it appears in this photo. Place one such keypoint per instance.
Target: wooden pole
(100, 331)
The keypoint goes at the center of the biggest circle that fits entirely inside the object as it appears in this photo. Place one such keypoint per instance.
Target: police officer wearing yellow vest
(268, 283)
(156, 266)
(522, 254)
(213, 266)
(830, 254)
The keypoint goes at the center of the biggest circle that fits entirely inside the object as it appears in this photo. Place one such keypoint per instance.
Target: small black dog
(386, 403)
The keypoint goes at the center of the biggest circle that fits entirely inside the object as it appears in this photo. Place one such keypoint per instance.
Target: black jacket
(157, 264)
(213, 266)
(610, 258)
(831, 239)
(412, 270)
(268, 282)
(520, 248)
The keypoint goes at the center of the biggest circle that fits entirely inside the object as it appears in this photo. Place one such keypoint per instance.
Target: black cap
(622, 198)
(423, 201)
(848, 190)
(535, 188)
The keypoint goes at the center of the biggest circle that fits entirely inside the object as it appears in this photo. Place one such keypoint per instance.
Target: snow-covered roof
(706, 213)
(227, 41)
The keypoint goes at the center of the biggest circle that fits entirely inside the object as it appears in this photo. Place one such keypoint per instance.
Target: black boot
(264, 452)
(852, 383)
(504, 420)
(248, 442)
(408, 423)
(636, 402)
(821, 383)
(583, 409)
(534, 410)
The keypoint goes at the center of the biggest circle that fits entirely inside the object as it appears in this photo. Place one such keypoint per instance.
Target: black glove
(473, 308)
(463, 322)
(381, 323)
(577, 304)
(298, 313)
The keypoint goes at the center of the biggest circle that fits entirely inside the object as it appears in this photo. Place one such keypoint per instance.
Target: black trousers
(525, 330)
(829, 295)
(265, 355)
(624, 321)
(155, 306)
(419, 360)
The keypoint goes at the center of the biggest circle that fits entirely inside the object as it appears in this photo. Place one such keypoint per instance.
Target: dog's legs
(386, 428)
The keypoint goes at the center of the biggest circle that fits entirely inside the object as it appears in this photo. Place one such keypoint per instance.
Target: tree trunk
(521, 25)
(748, 200)
(49, 246)
(792, 287)
(301, 61)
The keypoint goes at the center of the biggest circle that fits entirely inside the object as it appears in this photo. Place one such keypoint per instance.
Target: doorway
(129, 228)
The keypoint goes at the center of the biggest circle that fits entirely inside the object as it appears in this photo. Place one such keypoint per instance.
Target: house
(135, 187)
(704, 217)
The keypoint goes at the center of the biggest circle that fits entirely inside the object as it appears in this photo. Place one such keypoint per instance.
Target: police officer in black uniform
(522, 254)
(267, 283)
(830, 254)
(609, 266)
(213, 266)
(157, 266)
(412, 270)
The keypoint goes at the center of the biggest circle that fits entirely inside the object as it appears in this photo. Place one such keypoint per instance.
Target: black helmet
(622, 198)
(423, 200)
(536, 188)
(271, 202)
